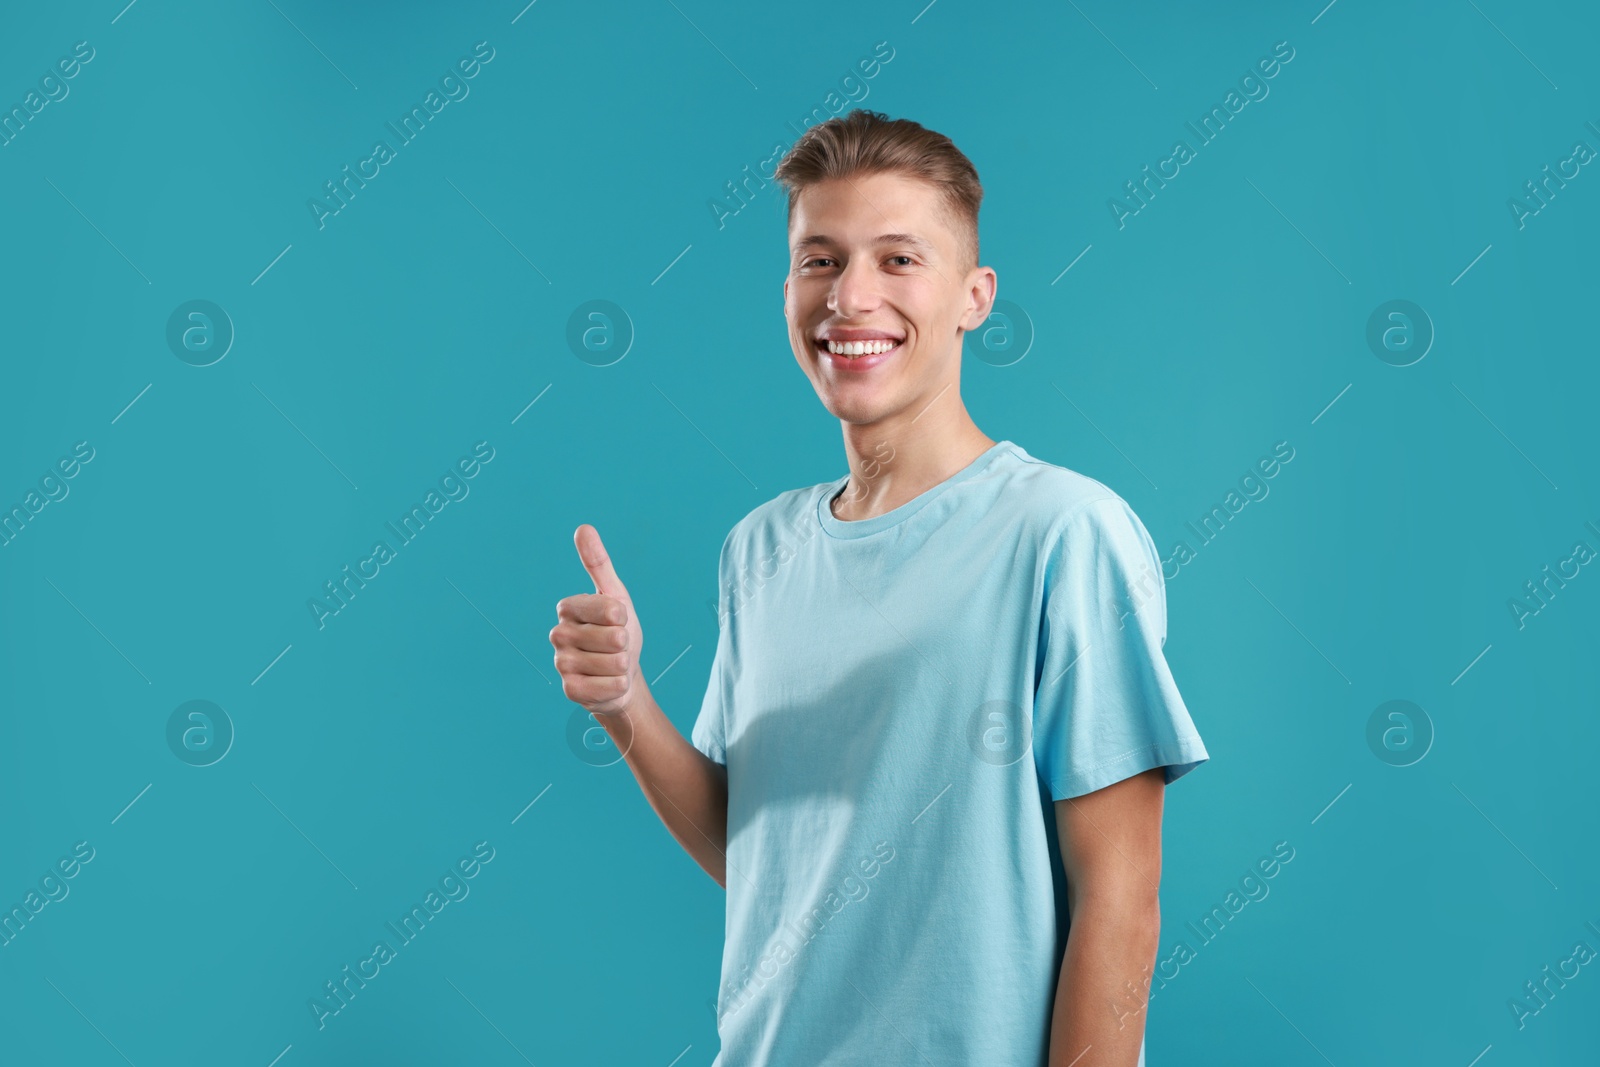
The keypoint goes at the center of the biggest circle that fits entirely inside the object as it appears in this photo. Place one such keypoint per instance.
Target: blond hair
(864, 142)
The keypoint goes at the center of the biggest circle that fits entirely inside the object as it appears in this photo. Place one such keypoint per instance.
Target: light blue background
(432, 310)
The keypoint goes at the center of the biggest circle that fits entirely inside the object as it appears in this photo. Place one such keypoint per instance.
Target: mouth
(857, 356)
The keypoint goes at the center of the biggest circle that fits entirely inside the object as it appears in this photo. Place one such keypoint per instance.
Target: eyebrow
(911, 239)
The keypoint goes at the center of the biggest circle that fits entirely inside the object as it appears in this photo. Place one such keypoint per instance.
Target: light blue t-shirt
(899, 701)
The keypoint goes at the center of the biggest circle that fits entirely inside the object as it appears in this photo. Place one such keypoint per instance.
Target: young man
(930, 763)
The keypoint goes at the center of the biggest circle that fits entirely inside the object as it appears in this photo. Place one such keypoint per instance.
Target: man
(930, 763)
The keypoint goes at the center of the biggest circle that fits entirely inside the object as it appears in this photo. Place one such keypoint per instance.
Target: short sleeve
(1106, 706)
(710, 727)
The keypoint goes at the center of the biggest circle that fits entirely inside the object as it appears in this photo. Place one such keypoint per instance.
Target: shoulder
(1096, 546)
(1065, 503)
(787, 519)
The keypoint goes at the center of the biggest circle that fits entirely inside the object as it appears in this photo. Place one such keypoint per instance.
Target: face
(873, 262)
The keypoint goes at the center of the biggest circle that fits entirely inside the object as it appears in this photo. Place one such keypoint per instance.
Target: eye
(814, 259)
(908, 259)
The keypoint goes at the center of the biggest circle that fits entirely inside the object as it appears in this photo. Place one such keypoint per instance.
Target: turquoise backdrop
(241, 343)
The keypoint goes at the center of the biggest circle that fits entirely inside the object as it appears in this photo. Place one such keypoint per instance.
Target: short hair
(864, 142)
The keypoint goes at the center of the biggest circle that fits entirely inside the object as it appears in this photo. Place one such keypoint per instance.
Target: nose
(855, 290)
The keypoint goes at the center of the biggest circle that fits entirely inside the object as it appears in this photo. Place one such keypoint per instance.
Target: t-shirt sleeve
(710, 727)
(1106, 706)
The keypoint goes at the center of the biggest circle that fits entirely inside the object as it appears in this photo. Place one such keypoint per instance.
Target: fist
(597, 637)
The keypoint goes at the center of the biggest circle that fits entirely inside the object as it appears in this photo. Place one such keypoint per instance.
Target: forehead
(870, 210)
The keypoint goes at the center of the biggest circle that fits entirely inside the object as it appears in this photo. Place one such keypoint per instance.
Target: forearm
(1100, 1000)
(687, 789)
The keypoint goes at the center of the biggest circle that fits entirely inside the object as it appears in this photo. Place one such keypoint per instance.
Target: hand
(597, 640)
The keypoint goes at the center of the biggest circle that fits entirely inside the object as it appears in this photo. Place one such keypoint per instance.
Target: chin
(856, 410)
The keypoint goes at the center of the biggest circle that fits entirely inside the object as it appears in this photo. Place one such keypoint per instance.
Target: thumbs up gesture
(597, 638)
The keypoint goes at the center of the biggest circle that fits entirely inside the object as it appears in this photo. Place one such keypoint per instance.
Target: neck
(895, 461)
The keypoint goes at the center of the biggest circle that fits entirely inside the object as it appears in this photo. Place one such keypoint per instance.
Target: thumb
(593, 554)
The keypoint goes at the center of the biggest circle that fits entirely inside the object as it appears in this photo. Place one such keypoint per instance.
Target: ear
(981, 297)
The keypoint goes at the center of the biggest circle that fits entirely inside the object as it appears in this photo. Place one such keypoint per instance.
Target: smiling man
(938, 696)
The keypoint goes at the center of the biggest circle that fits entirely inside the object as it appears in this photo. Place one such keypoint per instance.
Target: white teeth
(859, 348)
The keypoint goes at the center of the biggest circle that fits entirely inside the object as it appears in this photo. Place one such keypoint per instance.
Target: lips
(856, 364)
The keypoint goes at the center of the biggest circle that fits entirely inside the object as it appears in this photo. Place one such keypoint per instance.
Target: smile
(857, 355)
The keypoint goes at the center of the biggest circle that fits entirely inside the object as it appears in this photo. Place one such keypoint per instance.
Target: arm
(1111, 853)
(687, 789)
(598, 639)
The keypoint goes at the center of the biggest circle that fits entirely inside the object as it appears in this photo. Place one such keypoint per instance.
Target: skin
(905, 427)
(1111, 853)
(905, 430)
(597, 640)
